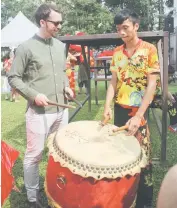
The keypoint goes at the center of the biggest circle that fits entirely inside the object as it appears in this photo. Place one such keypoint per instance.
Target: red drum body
(73, 183)
(69, 190)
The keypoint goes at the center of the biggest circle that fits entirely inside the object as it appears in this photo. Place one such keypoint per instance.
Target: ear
(42, 23)
(136, 26)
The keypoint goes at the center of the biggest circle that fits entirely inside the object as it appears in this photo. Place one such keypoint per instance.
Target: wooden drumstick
(73, 99)
(60, 105)
(120, 128)
(105, 121)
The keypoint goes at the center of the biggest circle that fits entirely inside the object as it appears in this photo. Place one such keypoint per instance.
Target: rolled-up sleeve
(15, 76)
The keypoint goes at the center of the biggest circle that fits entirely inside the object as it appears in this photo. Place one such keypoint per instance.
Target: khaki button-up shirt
(39, 67)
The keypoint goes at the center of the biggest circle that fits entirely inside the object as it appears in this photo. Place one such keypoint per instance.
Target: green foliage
(10, 8)
(147, 9)
(88, 16)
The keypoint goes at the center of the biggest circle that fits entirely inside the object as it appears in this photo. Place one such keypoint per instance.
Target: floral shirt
(132, 72)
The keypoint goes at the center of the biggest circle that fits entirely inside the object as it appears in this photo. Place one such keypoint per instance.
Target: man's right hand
(41, 100)
(107, 113)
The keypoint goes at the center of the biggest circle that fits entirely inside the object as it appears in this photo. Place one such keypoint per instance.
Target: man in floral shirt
(135, 72)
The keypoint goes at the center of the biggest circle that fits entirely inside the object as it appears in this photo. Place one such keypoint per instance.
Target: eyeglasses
(55, 23)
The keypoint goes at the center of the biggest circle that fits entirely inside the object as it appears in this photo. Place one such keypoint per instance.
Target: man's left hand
(69, 91)
(133, 125)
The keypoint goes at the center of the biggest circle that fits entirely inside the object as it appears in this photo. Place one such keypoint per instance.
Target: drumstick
(73, 99)
(120, 128)
(60, 105)
(105, 121)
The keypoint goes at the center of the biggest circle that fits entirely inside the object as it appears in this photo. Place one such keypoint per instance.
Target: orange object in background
(106, 53)
(78, 49)
(8, 158)
(70, 74)
(71, 62)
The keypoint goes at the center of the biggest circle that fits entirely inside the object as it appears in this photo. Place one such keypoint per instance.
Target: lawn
(13, 132)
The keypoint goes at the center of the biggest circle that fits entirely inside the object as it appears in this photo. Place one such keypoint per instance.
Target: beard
(52, 33)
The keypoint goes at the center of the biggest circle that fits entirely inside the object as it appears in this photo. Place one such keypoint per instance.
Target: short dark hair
(44, 11)
(126, 14)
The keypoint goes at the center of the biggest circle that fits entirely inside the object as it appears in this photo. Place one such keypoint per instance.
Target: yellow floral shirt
(132, 72)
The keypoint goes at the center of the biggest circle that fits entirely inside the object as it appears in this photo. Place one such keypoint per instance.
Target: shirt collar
(48, 41)
(137, 45)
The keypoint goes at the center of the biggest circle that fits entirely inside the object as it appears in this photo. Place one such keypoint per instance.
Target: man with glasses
(37, 73)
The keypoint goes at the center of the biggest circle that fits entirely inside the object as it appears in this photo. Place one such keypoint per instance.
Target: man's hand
(41, 100)
(107, 113)
(171, 98)
(133, 125)
(69, 91)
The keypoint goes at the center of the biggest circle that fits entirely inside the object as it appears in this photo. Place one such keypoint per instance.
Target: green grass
(172, 87)
(13, 132)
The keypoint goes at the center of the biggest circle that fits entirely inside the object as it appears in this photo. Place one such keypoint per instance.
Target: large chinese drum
(89, 167)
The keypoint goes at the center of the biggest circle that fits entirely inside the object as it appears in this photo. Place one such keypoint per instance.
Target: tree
(147, 9)
(10, 8)
(89, 16)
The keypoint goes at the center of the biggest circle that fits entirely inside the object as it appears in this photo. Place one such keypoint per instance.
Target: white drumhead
(88, 143)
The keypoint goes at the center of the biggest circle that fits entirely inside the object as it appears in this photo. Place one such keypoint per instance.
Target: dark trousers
(145, 189)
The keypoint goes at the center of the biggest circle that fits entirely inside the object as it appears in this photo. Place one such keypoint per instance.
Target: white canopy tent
(17, 31)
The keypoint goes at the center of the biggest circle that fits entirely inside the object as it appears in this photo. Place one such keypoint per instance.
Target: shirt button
(56, 84)
(55, 74)
(54, 65)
